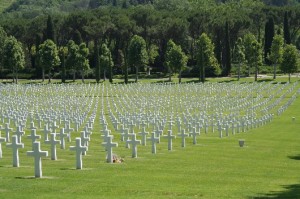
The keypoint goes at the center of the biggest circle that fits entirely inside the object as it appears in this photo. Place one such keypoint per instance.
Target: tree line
(191, 38)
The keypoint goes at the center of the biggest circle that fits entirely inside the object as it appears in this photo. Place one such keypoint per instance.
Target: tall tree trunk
(136, 74)
(74, 75)
(248, 71)
(274, 75)
(43, 74)
(170, 74)
(256, 73)
(239, 72)
(179, 80)
(49, 77)
(289, 77)
(82, 76)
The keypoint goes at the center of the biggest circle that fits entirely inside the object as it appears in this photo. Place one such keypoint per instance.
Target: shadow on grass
(291, 192)
(297, 157)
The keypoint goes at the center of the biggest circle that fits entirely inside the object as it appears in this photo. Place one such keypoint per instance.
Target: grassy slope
(214, 168)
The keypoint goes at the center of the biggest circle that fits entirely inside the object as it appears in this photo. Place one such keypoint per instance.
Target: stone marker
(134, 142)
(108, 146)
(33, 136)
(19, 133)
(37, 154)
(7, 130)
(154, 140)
(183, 135)
(194, 135)
(1, 141)
(170, 137)
(84, 141)
(62, 136)
(144, 136)
(53, 143)
(78, 149)
(15, 146)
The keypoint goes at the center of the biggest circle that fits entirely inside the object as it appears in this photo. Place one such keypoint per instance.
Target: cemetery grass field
(268, 166)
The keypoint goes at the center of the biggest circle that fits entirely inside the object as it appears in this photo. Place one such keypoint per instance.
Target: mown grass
(268, 166)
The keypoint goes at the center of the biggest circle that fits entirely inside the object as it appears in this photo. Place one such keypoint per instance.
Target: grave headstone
(37, 154)
(15, 145)
(79, 149)
(53, 142)
(183, 135)
(153, 140)
(33, 136)
(134, 142)
(108, 146)
(1, 141)
(170, 137)
(144, 136)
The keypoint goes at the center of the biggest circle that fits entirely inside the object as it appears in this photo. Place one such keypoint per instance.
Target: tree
(289, 62)
(63, 51)
(248, 40)
(239, 54)
(137, 54)
(3, 37)
(255, 59)
(77, 37)
(227, 53)
(176, 59)
(71, 61)
(48, 55)
(106, 61)
(50, 29)
(82, 60)
(13, 56)
(286, 29)
(205, 57)
(97, 62)
(153, 55)
(276, 52)
(269, 34)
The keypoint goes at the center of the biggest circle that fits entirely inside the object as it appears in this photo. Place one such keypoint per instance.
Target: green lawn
(268, 166)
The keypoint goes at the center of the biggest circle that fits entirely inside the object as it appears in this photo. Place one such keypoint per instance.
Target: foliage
(239, 54)
(269, 34)
(48, 56)
(137, 53)
(276, 52)
(71, 60)
(82, 59)
(286, 29)
(106, 62)
(205, 56)
(290, 62)
(13, 56)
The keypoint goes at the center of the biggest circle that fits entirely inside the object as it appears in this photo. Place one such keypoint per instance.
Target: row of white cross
(187, 109)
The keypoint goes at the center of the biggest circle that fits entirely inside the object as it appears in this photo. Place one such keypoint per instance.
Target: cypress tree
(269, 34)
(77, 37)
(227, 57)
(97, 62)
(286, 29)
(50, 29)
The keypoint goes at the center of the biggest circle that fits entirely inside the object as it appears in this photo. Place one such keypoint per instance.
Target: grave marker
(15, 145)
(37, 154)
(79, 149)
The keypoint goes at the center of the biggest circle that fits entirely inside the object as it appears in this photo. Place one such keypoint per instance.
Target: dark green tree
(63, 51)
(77, 37)
(13, 56)
(137, 54)
(255, 59)
(3, 37)
(97, 62)
(106, 62)
(290, 58)
(176, 59)
(227, 53)
(48, 55)
(248, 40)
(276, 52)
(205, 56)
(239, 55)
(71, 60)
(82, 60)
(269, 34)
(286, 29)
(50, 29)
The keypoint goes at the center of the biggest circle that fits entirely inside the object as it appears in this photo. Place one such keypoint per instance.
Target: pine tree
(227, 56)
(97, 62)
(50, 29)
(286, 29)
(269, 34)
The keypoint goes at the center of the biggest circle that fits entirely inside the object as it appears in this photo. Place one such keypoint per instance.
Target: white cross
(154, 140)
(7, 130)
(1, 141)
(109, 145)
(15, 145)
(144, 136)
(53, 143)
(170, 137)
(183, 135)
(84, 141)
(78, 149)
(62, 136)
(194, 135)
(33, 136)
(37, 154)
(134, 142)
(68, 130)
(19, 133)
